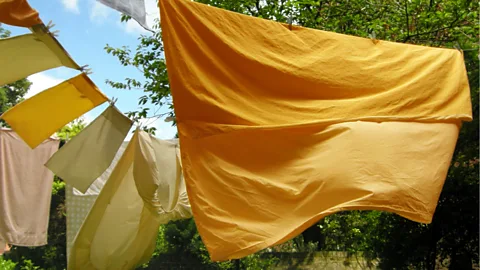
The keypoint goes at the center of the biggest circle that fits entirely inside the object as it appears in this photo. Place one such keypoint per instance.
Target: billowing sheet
(145, 190)
(38, 117)
(25, 190)
(281, 127)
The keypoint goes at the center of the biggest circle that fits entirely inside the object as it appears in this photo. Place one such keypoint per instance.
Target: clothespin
(373, 37)
(49, 27)
(290, 20)
(456, 45)
(86, 70)
(170, 119)
(113, 100)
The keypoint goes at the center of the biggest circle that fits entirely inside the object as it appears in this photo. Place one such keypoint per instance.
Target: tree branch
(257, 5)
(319, 9)
(433, 31)
(406, 15)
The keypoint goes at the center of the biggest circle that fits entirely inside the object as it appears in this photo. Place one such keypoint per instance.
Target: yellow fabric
(38, 117)
(90, 153)
(18, 13)
(78, 205)
(28, 54)
(280, 127)
(145, 189)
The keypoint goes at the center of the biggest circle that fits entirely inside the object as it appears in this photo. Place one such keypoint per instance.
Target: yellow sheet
(90, 153)
(38, 117)
(18, 13)
(145, 189)
(28, 54)
(280, 127)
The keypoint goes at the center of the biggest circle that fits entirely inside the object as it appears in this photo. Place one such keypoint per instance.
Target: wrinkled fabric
(18, 13)
(280, 128)
(25, 190)
(132, 8)
(4, 247)
(79, 204)
(88, 154)
(143, 192)
(38, 117)
(28, 54)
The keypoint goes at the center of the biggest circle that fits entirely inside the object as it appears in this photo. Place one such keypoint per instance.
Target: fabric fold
(79, 204)
(120, 230)
(281, 127)
(83, 159)
(18, 13)
(38, 117)
(28, 54)
(25, 190)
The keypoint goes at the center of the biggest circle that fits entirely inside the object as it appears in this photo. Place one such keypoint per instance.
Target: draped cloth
(38, 117)
(145, 190)
(25, 190)
(79, 204)
(18, 13)
(28, 54)
(280, 128)
(90, 153)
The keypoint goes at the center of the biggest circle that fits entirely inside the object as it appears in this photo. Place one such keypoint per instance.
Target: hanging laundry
(132, 8)
(28, 54)
(4, 247)
(145, 190)
(280, 128)
(78, 204)
(38, 117)
(18, 13)
(25, 190)
(88, 155)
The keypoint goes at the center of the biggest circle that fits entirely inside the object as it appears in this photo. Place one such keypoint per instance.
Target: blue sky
(86, 26)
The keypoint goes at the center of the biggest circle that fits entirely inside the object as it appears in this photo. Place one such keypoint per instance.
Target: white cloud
(88, 117)
(71, 5)
(133, 27)
(99, 12)
(164, 130)
(41, 82)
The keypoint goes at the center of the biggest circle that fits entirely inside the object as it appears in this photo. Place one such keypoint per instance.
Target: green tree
(397, 242)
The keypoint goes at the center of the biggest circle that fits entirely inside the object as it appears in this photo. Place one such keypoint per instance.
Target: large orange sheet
(280, 127)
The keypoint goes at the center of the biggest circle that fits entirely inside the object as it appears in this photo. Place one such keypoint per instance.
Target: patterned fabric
(78, 207)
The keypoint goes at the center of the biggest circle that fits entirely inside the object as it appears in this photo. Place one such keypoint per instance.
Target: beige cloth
(4, 247)
(146, 189)
(25, 190)
(88, 155)
(78, 204)
(28, 54)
